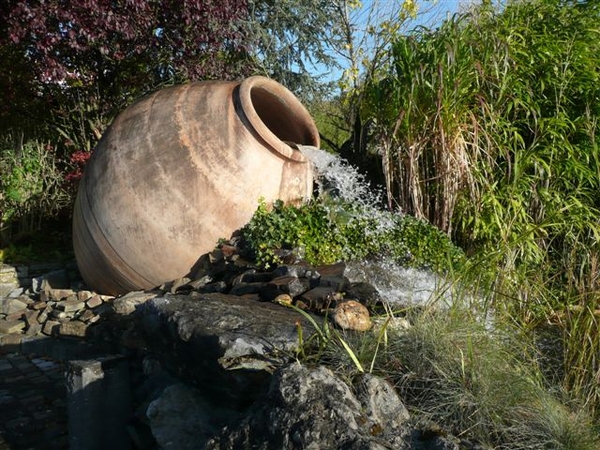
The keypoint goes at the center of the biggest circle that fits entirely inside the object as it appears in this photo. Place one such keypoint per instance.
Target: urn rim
(272, 109)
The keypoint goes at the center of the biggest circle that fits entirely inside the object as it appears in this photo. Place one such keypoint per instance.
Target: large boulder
(312, 408)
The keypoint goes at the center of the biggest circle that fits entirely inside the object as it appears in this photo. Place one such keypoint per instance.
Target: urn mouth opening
(278, 116)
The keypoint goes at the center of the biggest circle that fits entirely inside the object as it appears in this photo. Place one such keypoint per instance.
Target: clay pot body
(180, 169)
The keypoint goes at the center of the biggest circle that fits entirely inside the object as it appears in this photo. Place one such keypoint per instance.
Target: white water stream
(397, 285)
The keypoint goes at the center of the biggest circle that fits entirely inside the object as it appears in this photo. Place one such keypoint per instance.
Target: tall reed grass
(488, 128)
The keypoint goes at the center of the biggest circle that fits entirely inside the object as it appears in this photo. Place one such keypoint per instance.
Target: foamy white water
(398, 286)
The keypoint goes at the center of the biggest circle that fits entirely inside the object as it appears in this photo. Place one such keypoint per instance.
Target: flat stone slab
(243, 333)
(11, 326)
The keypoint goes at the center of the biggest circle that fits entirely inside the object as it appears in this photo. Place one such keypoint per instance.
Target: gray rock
(56, 279)
(241, 333)
(6, 289)
(128, 303)
(8, 275)
(11, 326)
(306, 408)
(381, 404)
(293, 286)
(12, 305)
(181, 419)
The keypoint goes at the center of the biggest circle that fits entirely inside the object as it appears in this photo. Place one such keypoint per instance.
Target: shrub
(31, 185)
(324, 232)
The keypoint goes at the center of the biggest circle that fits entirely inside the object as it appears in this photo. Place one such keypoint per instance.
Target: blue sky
(430, 13)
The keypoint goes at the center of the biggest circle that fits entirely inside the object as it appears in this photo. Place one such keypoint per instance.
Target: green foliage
(453, 370)
(31, 185)
(324, 232)
(290, 38)
(488, 127)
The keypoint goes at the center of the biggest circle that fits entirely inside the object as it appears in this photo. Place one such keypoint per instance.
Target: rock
(381, 404)
(55, 280)
(11, 326)
(239, 333)
(128, 303)
(9, 340)
(6, 289)
(70, 305)
(181, 419)
(290, 270)
(51, 327)
(307, 408)
(55, 294)
(351, 315)
(73, 328)
(290, 285)
(39, 305)
(283, 299)
(84, 296)
(94, 301)
(365, 293)
(247, 288)
(8, 275)
(46, 312)
(318, 299)
(12, 305)
(17, 292)
(33, 329)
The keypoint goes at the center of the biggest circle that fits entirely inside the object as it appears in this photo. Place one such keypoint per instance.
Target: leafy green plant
(324, 232)
(488, 127)
(31, 185)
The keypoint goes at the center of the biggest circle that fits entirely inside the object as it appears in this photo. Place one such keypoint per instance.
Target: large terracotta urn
(180, 169)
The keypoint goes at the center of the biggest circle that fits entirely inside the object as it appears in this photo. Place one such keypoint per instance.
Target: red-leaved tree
(71, 65)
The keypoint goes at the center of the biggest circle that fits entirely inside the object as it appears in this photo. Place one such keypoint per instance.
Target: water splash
(398, 286)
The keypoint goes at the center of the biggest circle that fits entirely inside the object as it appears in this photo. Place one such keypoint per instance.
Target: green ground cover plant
(325, 232)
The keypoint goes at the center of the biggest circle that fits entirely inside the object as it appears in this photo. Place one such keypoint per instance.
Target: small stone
(16, 315)
(126, 305)
(39, 305)
(84, 295)
(86, 316)
(12, 326)
(283, 299)
(10, 340)
(319, 298)
(6, 289)
(17, 292)
(59, 315)
(33, 329)
(13, 305)
(58, 294)
(352, 315)
(73, 328)
(285, 285)
(30, 316)
(45, 313)
(8, 274)
(71, 305)
(94, 301)
(51, 327)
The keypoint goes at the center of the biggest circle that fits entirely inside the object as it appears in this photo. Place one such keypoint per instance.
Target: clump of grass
(476, 382)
